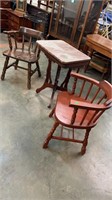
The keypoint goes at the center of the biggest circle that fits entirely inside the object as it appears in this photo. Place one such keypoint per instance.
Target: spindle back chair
(80, 108)
(25, 51)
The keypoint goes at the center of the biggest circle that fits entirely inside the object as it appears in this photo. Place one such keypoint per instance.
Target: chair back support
(95, 97)
(27, 35)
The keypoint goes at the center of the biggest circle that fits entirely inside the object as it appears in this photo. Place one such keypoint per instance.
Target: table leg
(48, 80)
(55, 85)
(64, 85)
(89, 52)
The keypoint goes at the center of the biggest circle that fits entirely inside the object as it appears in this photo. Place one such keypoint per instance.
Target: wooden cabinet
(15, 19)
(37, 18)
(5, 4)
(4, 7)
(72, 20)
(3, 20)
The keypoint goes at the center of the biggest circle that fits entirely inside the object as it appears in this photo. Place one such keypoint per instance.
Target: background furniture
(73, 20)
(37, 18)
(65, 56)
(10, 19)
(80, 109)
(21, 5)
(4, 7)
(15, 20)
(70, 20)
(98, 43)
(46, 4)
(21, 52)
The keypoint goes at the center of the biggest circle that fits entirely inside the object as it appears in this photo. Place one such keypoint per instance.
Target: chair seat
(64, 112)
(21, 55)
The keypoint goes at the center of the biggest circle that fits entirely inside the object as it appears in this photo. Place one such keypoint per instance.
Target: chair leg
(29, 76)
(85, 142)
(45, 145)
(5, 68)
(38, 69)
(52, 112)
(16, 64)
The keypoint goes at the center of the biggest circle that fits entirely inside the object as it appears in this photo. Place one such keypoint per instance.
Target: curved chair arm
(84, 105)
(11, 32)
(80, 76)
(35, 33)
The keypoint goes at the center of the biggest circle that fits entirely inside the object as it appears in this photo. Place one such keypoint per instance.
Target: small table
(65, 56)
(100, 44)
(96, 42)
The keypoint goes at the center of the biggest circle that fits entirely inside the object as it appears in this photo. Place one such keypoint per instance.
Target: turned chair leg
(16, 64)
(52, 112)
(38, 69)
(29, 76)
(45, 145)
(5, 68)
(85, 142)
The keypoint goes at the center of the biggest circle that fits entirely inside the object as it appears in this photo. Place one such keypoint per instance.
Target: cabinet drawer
(27, 23)
(13, 26)
(14, 18)
(4, 14)
(4, 24)
(5, 4)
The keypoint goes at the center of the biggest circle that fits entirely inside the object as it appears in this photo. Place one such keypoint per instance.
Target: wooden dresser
(4, 8)
(35, 18)
(15, 19)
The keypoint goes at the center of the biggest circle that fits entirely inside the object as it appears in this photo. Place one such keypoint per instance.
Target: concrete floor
(28, 172)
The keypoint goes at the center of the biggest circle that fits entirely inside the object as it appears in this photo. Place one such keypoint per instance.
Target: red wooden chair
(22, 51)
(80, 109)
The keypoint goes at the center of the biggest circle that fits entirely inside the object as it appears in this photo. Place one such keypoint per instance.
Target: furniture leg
(52, 112)
(85, 142)
(29, 76)
(16, 64)
(48, 81)
(66, 80)
(5, 68)
(89, 52)
(38, 69)
(38, 56)
(55, 85)
(45, 145)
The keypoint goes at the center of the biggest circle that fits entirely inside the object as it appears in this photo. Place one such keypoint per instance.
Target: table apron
(71, 65)
(99, 49)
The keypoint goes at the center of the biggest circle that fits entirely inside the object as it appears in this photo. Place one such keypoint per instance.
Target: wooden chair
(80, 108)
(24, 51)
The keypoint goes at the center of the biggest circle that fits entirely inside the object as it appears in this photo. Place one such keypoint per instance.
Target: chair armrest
(84, 105)
(10, 32)
(80, 76)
